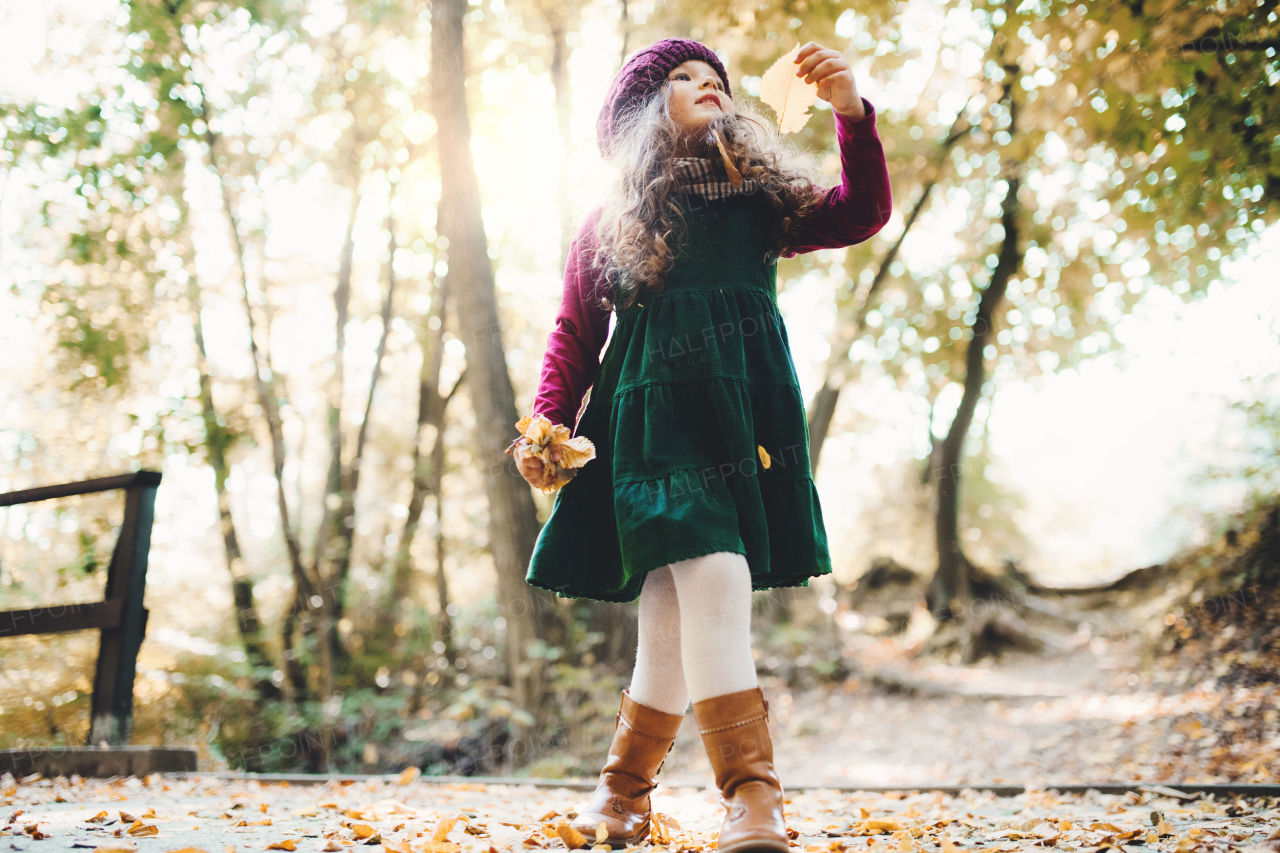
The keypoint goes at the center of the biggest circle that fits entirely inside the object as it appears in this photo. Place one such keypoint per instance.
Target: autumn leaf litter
(219, 816)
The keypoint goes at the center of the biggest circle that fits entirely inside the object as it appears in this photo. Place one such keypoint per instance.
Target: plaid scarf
(706, 177)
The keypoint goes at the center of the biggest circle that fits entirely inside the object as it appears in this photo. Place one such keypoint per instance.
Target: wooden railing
(120, 616)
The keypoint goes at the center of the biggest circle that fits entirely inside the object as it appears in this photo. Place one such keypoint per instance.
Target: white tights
(695, 632)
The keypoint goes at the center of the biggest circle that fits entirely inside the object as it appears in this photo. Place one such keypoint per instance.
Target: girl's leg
(649, 716)
(728, 704)
(714, 593)
(658, 680)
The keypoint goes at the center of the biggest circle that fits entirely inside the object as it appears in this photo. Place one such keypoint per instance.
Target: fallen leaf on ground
(409, 774)
(287, 844)
(443, 830)
(573, 839)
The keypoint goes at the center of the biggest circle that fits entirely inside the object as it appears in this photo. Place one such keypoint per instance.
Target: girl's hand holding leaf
(546, 455)
(831, 71)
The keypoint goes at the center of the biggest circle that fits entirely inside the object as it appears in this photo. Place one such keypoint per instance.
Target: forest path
(1084, 715)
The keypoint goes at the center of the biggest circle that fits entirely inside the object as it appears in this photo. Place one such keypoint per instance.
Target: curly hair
(638, 220)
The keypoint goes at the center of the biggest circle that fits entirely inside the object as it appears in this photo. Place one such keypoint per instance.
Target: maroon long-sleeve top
(847, 214)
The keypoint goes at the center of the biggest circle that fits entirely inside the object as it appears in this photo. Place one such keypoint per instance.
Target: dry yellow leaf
(116, 847)
(149, 813)
(948, 846)
(409, 774)
(396, 846)
(788, 95)
(442, 847)
(538, 435)
(1064, 825)
(735, 177)
(602, 832)
(660, 830)
(139, 829)
(287, 844)
(443, 830)
(572, 838)
(765, 461)
(331, 847)
(98, 818)
(185, 850)
(880, 825)
(362, 830)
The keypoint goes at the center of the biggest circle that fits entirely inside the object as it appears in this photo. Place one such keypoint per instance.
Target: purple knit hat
(642, 74)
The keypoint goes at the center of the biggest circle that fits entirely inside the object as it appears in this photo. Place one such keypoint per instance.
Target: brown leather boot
(735, 731)
(642, 737)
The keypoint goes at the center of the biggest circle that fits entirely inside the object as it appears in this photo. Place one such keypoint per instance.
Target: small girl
(700, 490)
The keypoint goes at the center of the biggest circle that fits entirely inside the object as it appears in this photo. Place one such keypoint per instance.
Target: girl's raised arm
(573, 347)
(861, 205)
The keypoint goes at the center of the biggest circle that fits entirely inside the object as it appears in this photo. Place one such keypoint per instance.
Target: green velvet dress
(692, 382)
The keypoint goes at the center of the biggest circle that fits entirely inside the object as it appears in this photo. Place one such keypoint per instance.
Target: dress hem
(759, 583)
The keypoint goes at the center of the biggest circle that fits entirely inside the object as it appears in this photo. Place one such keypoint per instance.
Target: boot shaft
(735, 731)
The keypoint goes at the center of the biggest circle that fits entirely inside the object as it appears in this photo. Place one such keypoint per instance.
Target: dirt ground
(1087, 715)
(159, 814)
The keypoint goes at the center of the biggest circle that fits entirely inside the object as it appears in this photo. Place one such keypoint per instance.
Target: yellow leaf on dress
(788, 95)
(764, 456)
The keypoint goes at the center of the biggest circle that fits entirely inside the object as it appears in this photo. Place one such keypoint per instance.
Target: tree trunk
(428, 470)
(346, 529)
(949, 591)
(512, 516)
(217, 440)
(560, 84)
(444, 620)
(268, 401)
(836, 376)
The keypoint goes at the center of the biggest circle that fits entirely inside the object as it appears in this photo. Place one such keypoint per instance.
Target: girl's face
(697, 95)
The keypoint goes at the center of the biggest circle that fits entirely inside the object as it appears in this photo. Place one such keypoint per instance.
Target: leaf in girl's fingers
(764, 456)
(576, 452)
(788, 95)
(538, 437)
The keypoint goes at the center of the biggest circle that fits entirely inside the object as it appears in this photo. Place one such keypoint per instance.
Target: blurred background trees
(303, 257)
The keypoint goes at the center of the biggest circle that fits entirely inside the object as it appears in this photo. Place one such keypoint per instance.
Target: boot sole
(618, 843)
(761, 846)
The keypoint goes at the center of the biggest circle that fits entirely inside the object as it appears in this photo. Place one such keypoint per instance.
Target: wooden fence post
(111, 716)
